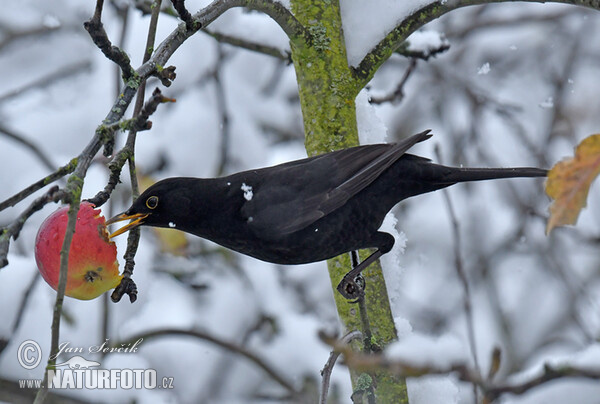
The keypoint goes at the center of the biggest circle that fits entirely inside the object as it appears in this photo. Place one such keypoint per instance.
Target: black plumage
(306, 210)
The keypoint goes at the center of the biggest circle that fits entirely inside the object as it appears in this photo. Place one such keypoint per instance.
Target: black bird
(305, 210)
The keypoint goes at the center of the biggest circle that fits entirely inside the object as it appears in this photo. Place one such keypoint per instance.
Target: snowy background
(518, 87)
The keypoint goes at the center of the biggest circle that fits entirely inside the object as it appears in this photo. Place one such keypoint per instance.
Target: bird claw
(126, 287)
(352, 288)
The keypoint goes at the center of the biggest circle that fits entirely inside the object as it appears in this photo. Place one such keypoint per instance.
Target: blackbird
(305, 210)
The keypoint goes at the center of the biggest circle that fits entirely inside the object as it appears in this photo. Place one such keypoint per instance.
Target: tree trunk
(328, 90)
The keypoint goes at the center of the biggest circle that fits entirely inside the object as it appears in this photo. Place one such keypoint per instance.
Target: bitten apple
(93, 267)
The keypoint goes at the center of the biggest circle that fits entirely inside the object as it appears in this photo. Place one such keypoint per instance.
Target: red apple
(93, 266)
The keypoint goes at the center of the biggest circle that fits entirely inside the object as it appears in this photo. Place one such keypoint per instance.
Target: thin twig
(232, 347)
(367, 340)
(123, 13)
(251, 46)
(36, 186)
(380, 362)
(54, 194)
(10, 36)
(74, 186)
(21, 310)
(398, 94)
(222, 111)
(62, 73)
(115, 167)
(367, 67)
(29, 145)
(96, 30)
(141, 114)
(185, 15)
(422, 54)
(460, 270)
(328, 368)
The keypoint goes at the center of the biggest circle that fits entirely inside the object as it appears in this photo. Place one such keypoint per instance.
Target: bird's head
(158, 206)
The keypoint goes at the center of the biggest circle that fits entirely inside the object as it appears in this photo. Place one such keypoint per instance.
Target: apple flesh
(93, 267)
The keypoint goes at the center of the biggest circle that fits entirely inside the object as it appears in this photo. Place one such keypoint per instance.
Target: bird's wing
(313, 188)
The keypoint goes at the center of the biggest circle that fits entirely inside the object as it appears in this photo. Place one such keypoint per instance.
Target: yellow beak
(134, 223)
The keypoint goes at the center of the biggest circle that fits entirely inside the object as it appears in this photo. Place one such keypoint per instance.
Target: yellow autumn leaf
(569, 182)
(171, 241)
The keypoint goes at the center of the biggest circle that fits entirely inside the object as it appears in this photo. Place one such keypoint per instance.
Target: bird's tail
(478, 174)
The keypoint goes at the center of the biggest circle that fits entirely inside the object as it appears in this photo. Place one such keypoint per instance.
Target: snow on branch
(367, 67)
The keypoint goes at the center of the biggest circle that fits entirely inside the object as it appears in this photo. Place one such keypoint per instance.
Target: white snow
(484, 69)
(247, 190)
(425, 41)
(371, 128)
(360, 37)
(428, 351)
(433, 390)
(548, 103)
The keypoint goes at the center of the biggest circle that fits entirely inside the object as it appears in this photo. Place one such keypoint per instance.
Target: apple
(93, 267)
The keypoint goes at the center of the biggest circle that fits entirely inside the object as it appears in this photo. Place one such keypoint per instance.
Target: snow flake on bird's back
(247, 190)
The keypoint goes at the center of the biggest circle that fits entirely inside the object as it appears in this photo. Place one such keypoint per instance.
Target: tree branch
(382, 51)
(185, 15)
(398, 94)
(13, 230)
(143, 112)
(290, 25)
(251, 46)
(328, 368)
(29, 145)
(49, 79)
(462, 276)
(379, 362)
(96, 30)
(36, 186)
(231, 347)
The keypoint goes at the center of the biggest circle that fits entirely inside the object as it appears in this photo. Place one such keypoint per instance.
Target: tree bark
(327, 91)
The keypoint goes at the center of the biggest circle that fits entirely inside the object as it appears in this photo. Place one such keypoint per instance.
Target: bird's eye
(152, 202)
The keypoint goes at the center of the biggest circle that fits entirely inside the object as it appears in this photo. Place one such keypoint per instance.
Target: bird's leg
(352, 286)
(359, 280)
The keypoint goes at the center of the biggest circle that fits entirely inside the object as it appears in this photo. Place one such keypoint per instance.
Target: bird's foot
(126, 287)
(352, 287)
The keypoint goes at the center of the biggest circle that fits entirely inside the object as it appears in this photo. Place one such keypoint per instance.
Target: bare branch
(328, 368)
(96, 30)
(251, 46)
(36, 186)
(398, 94)
(290, 25)
(229, 346)
(11, 36)
(379, 362)
(20, 311)
(115, 167)
(382, 51)
(222, 111)
(140, 121)
(185, 15)
(462, 276)
(29, 145)
(13, 230)
(550, 373)
(44, 81)
(422, 54)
